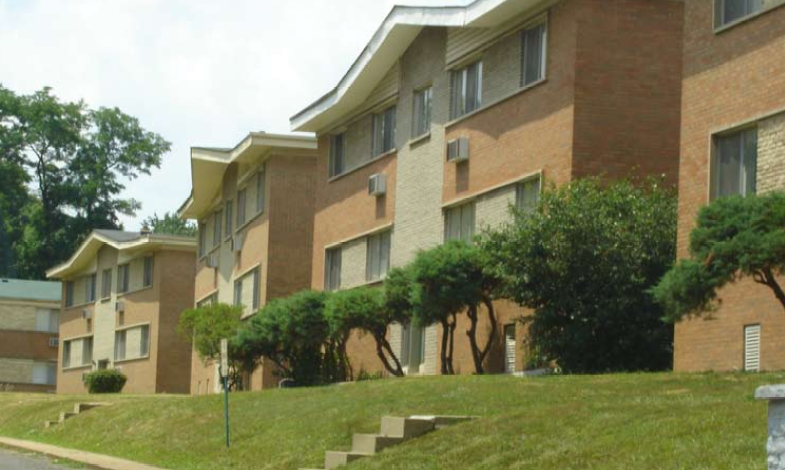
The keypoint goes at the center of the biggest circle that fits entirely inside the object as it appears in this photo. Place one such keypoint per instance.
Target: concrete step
(65, 415)
(373, 443)
(444, 421)
(82, 407)
(333, 459)
(49, 424)
(406, 428)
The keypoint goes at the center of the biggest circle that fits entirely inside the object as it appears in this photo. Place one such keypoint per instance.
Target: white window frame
(383, 131)
(337, 157)
(750, 10)
(422, 109)
(718, 143)
(464, 210)
(526, 36)
(377, 259)
(459, 99)
(333, 258)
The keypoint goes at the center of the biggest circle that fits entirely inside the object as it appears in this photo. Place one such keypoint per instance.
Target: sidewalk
(88, 458)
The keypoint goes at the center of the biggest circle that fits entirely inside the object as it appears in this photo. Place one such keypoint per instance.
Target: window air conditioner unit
(377, 185)
(212, 260)
(237, 243)
(458, 150)
(53, 342)
(87, 314)
(119, 307)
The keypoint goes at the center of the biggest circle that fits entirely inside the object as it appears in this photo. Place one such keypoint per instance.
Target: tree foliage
(74, 160)
(584, 261)
(204, 327)
(365, 309)
(735, 237)
(170, 224)
(448, 280)
(293, 333)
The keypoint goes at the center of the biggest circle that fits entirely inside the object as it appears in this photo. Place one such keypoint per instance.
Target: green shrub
(105, 381)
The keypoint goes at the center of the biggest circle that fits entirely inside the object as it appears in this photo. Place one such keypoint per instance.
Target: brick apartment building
(452, 114)
(29, 321)
(122, 296)
(254, 204)
(732, 142)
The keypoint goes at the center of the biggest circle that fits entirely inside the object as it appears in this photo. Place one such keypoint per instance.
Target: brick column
(775, 445)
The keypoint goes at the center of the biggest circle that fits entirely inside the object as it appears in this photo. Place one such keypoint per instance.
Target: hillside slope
(612, 422)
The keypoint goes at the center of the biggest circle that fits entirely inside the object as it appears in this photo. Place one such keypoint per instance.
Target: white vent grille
(458, 150)
(377, 185)
(53, 342)
(752, 348)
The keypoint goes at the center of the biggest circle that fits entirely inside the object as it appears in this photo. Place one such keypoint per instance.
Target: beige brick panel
(16, 371)
(493, 209)
(17, 317)
(353, 258)
(771, 154)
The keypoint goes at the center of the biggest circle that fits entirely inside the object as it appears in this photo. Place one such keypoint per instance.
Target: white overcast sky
(197, 72)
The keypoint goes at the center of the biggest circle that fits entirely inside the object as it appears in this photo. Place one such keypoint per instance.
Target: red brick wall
(731, 77)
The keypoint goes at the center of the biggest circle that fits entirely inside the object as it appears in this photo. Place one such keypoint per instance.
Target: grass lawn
(612, 422)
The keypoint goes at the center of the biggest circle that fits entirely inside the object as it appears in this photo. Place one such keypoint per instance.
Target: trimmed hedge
(105, 381)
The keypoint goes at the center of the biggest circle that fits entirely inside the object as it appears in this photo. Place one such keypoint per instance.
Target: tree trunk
(453, 325)
(771, 281)
(445, 370)
(382, 346)
(472, 334)
(492, 335)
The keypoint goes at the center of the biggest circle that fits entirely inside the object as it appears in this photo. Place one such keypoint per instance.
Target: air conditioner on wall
(377, 185)
(119, 307)
(212, 260)
(87, 314)
(458, 150)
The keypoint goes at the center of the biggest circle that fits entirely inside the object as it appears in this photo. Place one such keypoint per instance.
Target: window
(69, 293)
(240, 207)
(466, 90)
(228, 210)
(66, 354)
(384, 131)
(332, 269)
(202, 239)
(336, 155)
(422, 111)
(210, 300)
(377, 261)
(87, 351)
(89, 294)
(217, 219)
(144, 346)
(533, 57)
(256, 287)
(728, 11)
(47, 320)
(119, 345)
(527, 194)
(459, 223)
(122, 278)
(238, 292)
(736, 162)
(44, 373)
(106, 283)
(260, 189)
(752, 348)
(147, 278)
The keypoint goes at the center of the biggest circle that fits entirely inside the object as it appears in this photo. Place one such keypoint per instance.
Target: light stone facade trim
(771, 154)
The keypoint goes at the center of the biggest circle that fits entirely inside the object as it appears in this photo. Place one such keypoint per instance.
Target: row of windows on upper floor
(124, 278)
(223, 221)
(459, 224)
(465, 97)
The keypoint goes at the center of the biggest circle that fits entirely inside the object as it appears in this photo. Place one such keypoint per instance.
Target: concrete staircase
(394, 431)
(78, 409)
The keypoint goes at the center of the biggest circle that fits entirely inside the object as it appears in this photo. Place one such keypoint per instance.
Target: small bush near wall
(105, 381)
